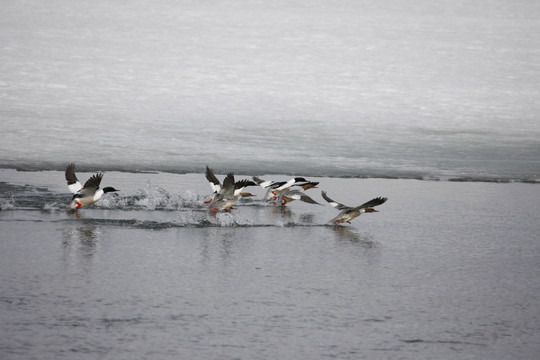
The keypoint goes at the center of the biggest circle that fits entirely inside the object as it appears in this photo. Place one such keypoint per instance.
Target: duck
(87, 194)
(225, 199)
(272, 186)
(348, 213)
(216, 187)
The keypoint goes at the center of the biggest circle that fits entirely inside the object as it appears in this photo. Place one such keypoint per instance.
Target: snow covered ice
(444, 89)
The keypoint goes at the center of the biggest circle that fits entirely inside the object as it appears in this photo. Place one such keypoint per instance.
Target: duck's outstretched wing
(73, 183)
(334, 204)
(212, 179)
(240, 184)
(228, 186)
(299, 195)
(371, 203)
(93, 182)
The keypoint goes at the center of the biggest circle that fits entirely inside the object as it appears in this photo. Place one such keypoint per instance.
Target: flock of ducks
(225, 195)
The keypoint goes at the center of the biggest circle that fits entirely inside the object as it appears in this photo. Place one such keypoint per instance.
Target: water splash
(7, 204)
(151, 197)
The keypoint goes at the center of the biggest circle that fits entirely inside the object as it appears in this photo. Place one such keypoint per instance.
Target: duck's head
(109, 189)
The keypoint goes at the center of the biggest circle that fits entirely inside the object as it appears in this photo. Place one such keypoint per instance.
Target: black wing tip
(243, 183)
(71, 178)
(376, 201)
(94, 181)
(258, 180)
(70, 168)
(211, 177)
(309, 200)
(229, 176)
(381, 199)
(98, 175)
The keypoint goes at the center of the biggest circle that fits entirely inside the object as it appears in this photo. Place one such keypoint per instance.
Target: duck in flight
(217, 188)
(87, 194)
(348, 213)
(225, 196)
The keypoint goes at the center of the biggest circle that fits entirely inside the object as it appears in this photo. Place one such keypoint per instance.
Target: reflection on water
(285, 212)
(307, 218)
(358, 243)
(217, 243)
(79, 242)
(289, 216)
(74, 214)
(349, 234)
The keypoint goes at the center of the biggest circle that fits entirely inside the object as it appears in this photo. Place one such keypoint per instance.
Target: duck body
(225, 199)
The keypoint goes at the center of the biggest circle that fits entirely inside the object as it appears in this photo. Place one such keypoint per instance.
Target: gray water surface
(444, 270)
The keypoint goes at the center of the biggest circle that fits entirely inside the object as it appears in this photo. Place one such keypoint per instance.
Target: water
(445, 269)
(368, 98)
(444, 90)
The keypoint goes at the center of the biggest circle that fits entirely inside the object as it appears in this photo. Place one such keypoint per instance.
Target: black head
(109, 189)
